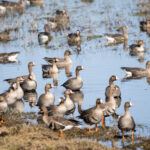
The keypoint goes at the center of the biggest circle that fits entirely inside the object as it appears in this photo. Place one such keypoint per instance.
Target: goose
(92, 115)
(47, 98)
(58, 122)
(74, 83)
(45, 37)
(116, 38)
(138, 47)
(61, 62)
(141, 72)
(126, 122)
(8, 57)
(74, 38)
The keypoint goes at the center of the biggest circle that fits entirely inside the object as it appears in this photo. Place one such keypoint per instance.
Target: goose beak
(53, 86)
(72, 92)
(83, 68)
(117, 78)
(131, 104)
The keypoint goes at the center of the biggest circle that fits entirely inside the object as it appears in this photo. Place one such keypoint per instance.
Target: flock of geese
(53, 115)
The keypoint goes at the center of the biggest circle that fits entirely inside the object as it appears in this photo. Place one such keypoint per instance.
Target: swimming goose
(34, 2)
(145, 25)
(13, 5)
(19, 90)
(3, 104)
(47, 98)
(45, 37)
(8, 57)
(50, 69)
(138, 47)
(116, 38)
(4, 36)
(141, 72)
(31, 73)
(92, 115)
(58, 122)
(74, 38)
(74, 83)
(126, 122)
(116, 93)
(29, 84)
(10, 95)
(61, 62)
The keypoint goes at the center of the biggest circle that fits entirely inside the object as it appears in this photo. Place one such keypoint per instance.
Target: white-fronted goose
(3, 104)
(141, 72)
(58, 110)
(138, 47)
(116, 38)
(35, 2)
(31, 73)
(4, 36)
(58, 123)
(45, 37)
(29, 84)
(61, 62)
(47, 98)
(145, 25)
(13, 5)
(126, 122)
(10, 95)
(116, 93)
(92, 115)
(74, 38)
(19, 90)
(50, 69)
(74, 83)
(8, 57)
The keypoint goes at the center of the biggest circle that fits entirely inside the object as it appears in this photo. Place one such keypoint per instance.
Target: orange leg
(89, 128)
(96, 129)
(103, 122)
(73, 115)
(123, 138)
(2, 121)
(61, 133)
(132, 135)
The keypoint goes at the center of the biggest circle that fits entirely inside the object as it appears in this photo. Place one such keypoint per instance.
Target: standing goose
(92, 115)
(58, 110)
(74, 38)
(50, 69)
(110, 106)
(138, 47)
(31, 73)
(61, 62)
(139, 72)
(116, 93)
(8, 57)
(58, 122)
(74, 83)
(45, 37)
(3, 104)
(47, 98)
(126, 122)
(116, 38)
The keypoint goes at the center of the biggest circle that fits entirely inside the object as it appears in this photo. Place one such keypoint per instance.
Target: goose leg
(123, 138)
(89, 128)
(61, 133)
(132, 135)
(96, 129)
(103, 122)
(73, 115)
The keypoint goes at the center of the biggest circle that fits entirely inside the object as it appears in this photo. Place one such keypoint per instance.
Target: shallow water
(100, 61)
